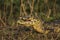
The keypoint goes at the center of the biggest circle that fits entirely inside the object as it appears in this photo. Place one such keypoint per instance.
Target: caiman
(34, 22)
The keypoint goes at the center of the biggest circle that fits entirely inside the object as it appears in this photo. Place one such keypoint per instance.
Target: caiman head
(26, 21)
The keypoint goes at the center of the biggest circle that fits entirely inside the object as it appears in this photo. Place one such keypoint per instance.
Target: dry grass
(23, 33)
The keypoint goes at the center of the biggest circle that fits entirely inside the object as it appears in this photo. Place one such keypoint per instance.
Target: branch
(2, 22)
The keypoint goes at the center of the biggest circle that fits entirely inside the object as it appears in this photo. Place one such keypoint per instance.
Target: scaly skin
(35, 23)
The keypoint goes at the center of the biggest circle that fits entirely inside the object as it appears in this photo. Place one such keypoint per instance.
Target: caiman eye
(24, 20)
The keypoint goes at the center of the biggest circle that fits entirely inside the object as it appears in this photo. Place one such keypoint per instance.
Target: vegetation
(48, 11)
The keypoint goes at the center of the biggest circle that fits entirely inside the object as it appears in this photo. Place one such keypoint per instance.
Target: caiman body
(31, 21)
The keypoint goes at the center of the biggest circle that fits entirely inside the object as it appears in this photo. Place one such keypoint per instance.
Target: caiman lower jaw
(47, 31)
